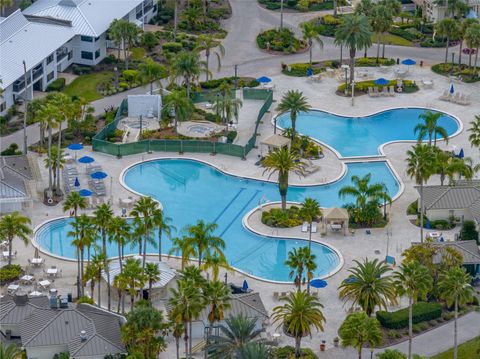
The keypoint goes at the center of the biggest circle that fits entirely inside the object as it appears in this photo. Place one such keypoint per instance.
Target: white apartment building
(50, 35)
(434, 11)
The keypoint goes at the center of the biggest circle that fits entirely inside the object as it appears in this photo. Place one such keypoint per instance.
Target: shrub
(372, 62)
(172, 47)
(81, 70)
(85, 299)
(447, 316)
(331, 20)
(413, 208)
(300, 70)
(440, 224)
(404, 33)
(11, 150)
(280, 40)
(433, 43)
(393, 334)
(130, 76)
(469, 232)
(231, 136)
(416, 328)
(56, 85)
(275, 217)
(149, 40)
(391, 354)
(432, 322)
(408, 86)
(288, 352)
(422, 311)
(9, 273)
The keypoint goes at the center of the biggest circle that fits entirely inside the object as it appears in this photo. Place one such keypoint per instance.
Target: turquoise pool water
(362, 136)
(191, 190)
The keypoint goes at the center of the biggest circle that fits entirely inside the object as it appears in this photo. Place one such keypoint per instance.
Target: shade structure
(381, 81)
(409, 62)
(264, 79)
(452, 89)
(86, 159)
(245, 285)
(77, 182)
(85, 193)
(75, 147)
(318, 283)
(99, 175)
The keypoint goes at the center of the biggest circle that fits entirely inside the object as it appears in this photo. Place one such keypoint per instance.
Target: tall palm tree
(283, 161)
(202, 238)
(183, 246)
(163, 225)
(52, 163)
(180, 105)
(214, 261)
(294, 102)
(455, 288)
(462, 30)
(48, 115)
(310, 211)
(124, 33)
(135, 278)
(359, 329)
(152, 71)
(413, 280)
(381, 21)
(103, 216)
(14, 225)
(472, 38)
(217, 298)
(237, 332)
(301, 260)
(474, 136)
(355, 33)
(152, 275)
(225, 105)
(176, 329)
(74, 202)
(119, 233)
(449, 29)
(120, 283)
(11, 351)
(207, 43)
(369, 285)
(420, 168)
(311, 34)
(430, 128)
(188, 65)
(93, 273)
(299, 315)
(366, 195)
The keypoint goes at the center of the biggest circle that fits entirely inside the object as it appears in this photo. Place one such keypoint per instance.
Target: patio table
(35, 293)
(36, 261)
(27, 278)
(44, 283)
(52, 271)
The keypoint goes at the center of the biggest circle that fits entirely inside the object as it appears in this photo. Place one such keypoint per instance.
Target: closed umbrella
(245, 285)
(381, 81)
(99, 175)
(452, 89)
(85, 193)
(309, 72)
(461, 154)
(77, 182)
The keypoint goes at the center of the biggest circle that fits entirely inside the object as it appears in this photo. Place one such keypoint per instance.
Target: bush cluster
(288, 352)
(469, 232)
(422, 311)
(242, 82)
(372, 62)
(231, 136)
(467, 74)
(280, 40)
(300, 70)
(275, 217)
(9, 273)
(56, 85)
(408, 86)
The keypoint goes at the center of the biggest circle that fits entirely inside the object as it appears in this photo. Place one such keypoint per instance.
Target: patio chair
(305, 227)
(314, 227)
(391, 91)
(384, 91)
(375, 92)
(275, 295)
(370, 91)
(456, 98)
(445, 96)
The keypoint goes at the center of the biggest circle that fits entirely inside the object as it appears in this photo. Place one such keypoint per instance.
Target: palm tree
(369, 285)
(217, 297)
(14, 225)
(12, 351)
(472, 38)
(310, 34)
(355, 33)
(52, 162)
(420, 168)
(237, 332)
(294, 102)
(124, 33)
(119, 233)
(177, 329)
(103, 216)
(120, 283)
(183, 246)
(256, 350)
(178, 104)
(464, 25)
(299, 261)
(283, 161)
(359, 329)
(188, 65)
(448, 28)
(225, 105)
(207, 43)
(215, 262)
(74, 202)
(474, 136)
(366, 196)
(381, 21)
(413, 280)
(430, 128)
(163, 225)
(310, 211)
(152, 71)
(152, 275)
(48, 115)
(135, 277)
(455, 288)
(299, 315)
(93, 273)
(203, 240)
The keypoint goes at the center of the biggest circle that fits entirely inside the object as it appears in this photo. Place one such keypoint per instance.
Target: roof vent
(20, 298)
(83, 335)
(53, 302)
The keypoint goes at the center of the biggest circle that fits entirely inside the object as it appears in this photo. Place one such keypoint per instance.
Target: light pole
(346, 67)
(353, 92)
(281, 14)
(453, 59)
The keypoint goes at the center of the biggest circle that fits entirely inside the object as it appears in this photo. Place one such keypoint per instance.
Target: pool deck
(361, 245)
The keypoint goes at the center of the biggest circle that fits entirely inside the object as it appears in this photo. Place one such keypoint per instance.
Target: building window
(97, 54)
(87, 55)
(49, 59)
(3, 106)
(70, 55)
(86, 38)
(50, 76)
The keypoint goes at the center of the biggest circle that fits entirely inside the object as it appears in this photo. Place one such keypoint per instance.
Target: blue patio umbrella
(77, 182)
(381, 81)
(85, 193)
(409, 62)
(75, 146)
(245, 285)
(99, 175)
(452, 89)
(318, 283)
(427, 225)
(264, 79)
(309, 72)
(86, 159)
(461, 154)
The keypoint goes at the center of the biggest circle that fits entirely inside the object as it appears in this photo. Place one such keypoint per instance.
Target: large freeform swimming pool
(190, 190)
(363, 136)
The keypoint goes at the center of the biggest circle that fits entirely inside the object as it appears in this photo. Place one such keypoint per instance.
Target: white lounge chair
(445, 96)
(391, 91)
(384, 91)
(314, 227)
(375, 92)
(370, 92)
(305, 227)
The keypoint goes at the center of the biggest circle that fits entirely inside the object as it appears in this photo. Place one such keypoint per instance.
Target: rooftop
(14, 171)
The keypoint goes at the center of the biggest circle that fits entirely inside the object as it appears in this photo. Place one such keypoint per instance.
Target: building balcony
(62, 54)
(37, 72)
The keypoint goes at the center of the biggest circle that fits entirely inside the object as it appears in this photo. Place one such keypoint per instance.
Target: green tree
(119, 233)
(202, 238)
(152, 275)
(474, 130)
(217, 299)
(449, 29)
(163, 225)
(51, 162)
(214, 261)
(207, 43)
(135, 278)
(294, 102)
(359, 329)
(237, 332)
(355, 33)
(14, 225)
(178, 104)
(369, 285)
(462, 30)
(430, 128)
(455, 288)
(152, 71)
(310, 211)
(93, 273)
(472, 38)
(48, 115)
(381, 20)
(74, 202)
(310, 34)
(256, 350)
(188, 65)
(177, 330)
(413, 280)
(183, 246)
(420, 168)
(299, 315)
(11, 351)
(124, 33)
(283, 161)
(301, 260)
(4, 4)
(225, 105)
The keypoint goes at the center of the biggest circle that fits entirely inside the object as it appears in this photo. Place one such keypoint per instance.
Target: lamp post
(346, 67)
(453, 60)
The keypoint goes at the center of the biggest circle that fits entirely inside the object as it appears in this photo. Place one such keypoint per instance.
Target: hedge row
(422, 311)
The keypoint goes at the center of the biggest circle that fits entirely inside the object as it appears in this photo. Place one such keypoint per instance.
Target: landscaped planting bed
(361, 88)
(301, 5)
(280, 41)
(464, 72)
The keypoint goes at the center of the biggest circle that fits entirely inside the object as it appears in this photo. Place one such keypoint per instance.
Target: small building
(335, 218)
(276, 141)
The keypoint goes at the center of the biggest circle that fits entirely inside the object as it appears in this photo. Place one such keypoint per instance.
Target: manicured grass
(392, 40)
(467, 350)
(86, 85)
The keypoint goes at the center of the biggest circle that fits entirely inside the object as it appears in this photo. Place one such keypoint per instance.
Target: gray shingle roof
(10, 313)
(468, 249)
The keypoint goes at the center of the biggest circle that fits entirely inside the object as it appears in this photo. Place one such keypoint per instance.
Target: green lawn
(86, 85)
(392, 40)
(467, 350)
